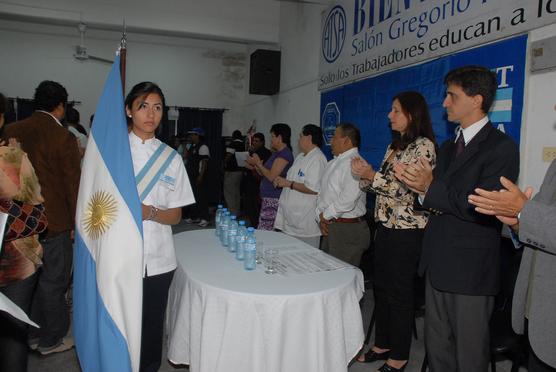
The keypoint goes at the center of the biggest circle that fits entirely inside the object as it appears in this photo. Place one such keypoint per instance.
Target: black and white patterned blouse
(394, 202)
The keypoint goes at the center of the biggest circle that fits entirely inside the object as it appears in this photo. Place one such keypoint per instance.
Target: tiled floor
(67, 361)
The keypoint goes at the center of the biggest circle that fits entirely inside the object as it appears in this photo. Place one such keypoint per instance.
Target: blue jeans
(49, 308)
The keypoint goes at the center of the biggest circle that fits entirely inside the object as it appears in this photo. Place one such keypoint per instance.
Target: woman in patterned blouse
(400, 230)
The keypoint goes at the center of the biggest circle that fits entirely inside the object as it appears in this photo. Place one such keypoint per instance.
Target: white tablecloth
(223, 318)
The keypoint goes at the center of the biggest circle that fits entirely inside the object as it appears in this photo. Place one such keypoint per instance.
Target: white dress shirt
(340, 195)
(468, 134)
(295, 209)
(472, 130)
(172, 190)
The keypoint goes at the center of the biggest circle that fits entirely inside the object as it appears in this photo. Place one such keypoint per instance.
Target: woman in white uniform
(298, 199)
(161, 208)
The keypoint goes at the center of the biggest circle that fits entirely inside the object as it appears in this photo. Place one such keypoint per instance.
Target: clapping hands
(362, 169)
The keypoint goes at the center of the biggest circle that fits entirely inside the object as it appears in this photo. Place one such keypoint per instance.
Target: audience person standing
(197, 167)
(534, 303)
(341, 204)
(461, 247)
(161, 208)
(21, 252)
(277, 165)
(400, 229)
(298, 199)
(54, 154)
(252, 180)
(72, 123)
(233, 173)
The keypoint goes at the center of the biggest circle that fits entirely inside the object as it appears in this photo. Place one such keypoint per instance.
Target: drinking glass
(260, 253)
(270, 259)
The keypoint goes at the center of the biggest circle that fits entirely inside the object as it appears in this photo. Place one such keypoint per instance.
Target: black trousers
(155, 298)
(49, 308)
(397, 253)
(200, 208)
(457, 336)
(13, 333)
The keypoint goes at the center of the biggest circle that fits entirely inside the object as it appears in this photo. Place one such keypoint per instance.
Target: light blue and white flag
(501, 110)
(108, 259)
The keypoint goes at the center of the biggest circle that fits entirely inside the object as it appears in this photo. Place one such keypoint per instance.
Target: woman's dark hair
(142, 90)
(72, 115)
(236, 134)
(415, 108)
(3, 108)
(48, 95)
(283, 130)
(260, 136)
(315, 133)
(3, 104)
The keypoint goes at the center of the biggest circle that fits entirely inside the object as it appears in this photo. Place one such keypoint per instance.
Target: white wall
(191, 73)
(539, 120)
(298, 102)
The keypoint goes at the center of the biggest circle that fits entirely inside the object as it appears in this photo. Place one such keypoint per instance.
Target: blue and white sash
(153, 169)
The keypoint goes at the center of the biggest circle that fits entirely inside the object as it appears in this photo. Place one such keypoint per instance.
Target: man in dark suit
(460, 255)
(54, 153)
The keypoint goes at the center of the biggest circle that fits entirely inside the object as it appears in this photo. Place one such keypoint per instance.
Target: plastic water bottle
(224, 228)
(250, 251)
(232, 235)
(217, 217)
(240, 240)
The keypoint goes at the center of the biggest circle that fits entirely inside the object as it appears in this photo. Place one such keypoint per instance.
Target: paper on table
(308, 262)
(5, 303)
(241, 157)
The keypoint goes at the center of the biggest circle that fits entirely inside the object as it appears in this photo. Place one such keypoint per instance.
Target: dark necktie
(460, 144)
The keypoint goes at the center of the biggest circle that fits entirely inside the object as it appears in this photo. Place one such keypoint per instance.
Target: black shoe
(386, 368)
(373, 356)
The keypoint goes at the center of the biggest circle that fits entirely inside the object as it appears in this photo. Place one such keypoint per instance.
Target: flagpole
(123, 54)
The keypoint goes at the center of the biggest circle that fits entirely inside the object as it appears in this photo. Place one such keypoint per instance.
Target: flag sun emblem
(100, 213)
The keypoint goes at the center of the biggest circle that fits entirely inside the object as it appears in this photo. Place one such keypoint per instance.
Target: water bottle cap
(220, 206)
(242, 223)
(224, 209)
(233, 217)
(251, 229)
(227, 213)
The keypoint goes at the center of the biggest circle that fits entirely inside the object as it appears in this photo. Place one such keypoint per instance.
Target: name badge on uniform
(167, 181)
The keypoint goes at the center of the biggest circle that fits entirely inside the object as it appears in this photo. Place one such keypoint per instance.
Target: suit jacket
(461, 248)
(54, 153)
(537, 273)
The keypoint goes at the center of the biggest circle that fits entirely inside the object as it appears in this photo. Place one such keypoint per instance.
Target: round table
(223, 318)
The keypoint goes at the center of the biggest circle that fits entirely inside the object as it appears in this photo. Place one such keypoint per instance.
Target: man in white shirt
(341, 204)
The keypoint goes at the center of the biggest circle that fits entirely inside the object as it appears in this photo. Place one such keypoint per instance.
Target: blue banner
(366, 103)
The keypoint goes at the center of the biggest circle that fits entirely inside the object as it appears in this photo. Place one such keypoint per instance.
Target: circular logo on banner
(330, 120)
(334, 34)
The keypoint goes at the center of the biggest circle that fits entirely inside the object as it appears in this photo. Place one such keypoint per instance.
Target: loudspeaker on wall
(264, 74)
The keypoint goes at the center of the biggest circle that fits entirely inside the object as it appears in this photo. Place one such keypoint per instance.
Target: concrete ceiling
(245, 21)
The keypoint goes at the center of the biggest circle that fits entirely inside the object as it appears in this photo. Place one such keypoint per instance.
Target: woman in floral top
(20, 257)
(400, 230)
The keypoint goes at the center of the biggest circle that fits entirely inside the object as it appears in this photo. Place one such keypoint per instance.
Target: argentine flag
(108, 259)
(501, 110)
